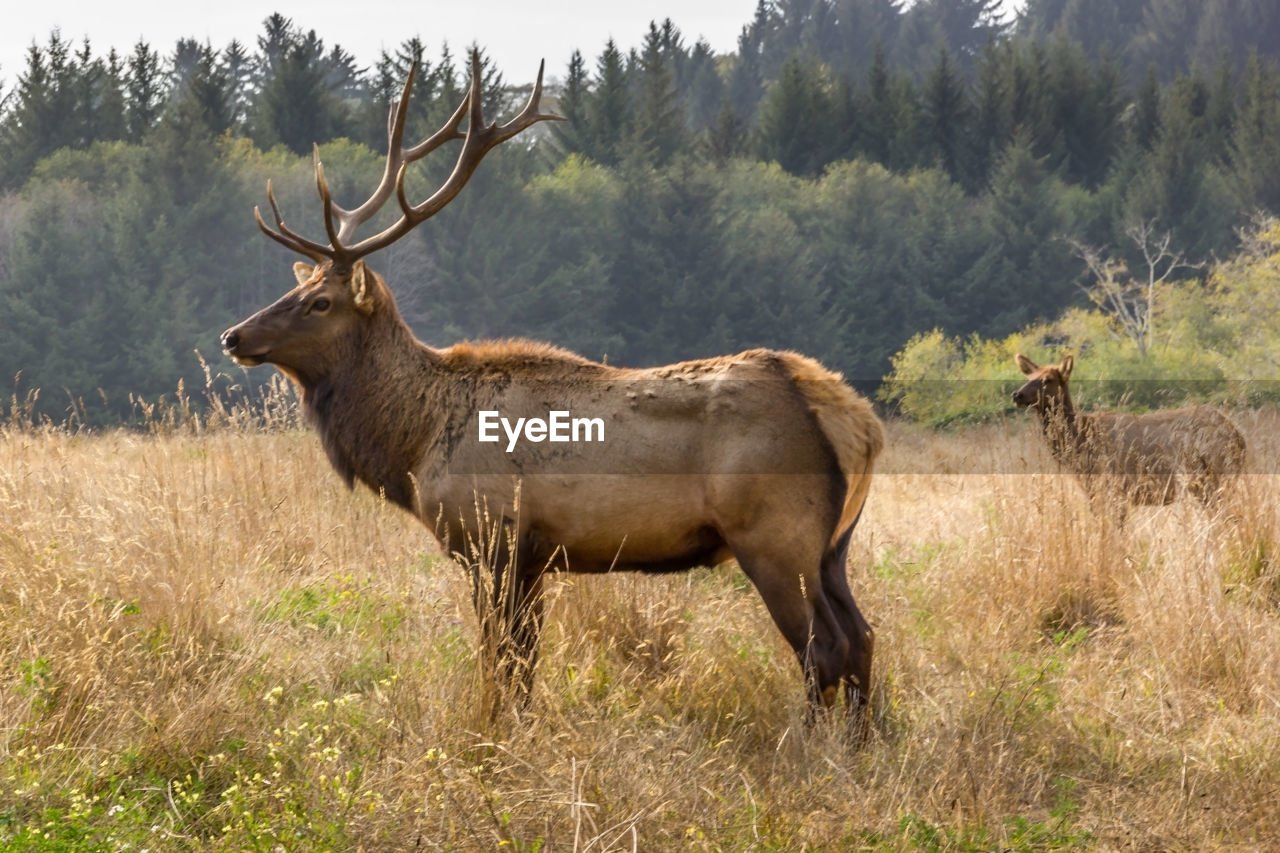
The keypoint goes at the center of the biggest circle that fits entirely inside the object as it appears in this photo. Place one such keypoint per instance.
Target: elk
(1135, 459)
(765, 457)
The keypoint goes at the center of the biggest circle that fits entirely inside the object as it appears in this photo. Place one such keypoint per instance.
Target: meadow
(208, 643)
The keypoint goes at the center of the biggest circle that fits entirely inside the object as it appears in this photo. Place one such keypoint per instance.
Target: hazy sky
(516, 33)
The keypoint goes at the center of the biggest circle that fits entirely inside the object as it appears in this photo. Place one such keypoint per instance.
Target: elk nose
(230, 340)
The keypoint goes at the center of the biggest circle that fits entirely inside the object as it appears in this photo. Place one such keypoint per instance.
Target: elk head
(314, 326)
(1046, 387)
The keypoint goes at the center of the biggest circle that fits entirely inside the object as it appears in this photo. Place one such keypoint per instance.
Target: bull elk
(1138, 459)
(763, 456)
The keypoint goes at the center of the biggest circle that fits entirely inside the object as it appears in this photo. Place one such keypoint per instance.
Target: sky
(515, 33)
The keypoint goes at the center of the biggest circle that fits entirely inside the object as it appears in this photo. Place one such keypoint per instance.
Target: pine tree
(877, 130)
(799, 27)
(42, 117)
(385, 86)
(569, 134)
(1254, 158)
(445, 89)
(962, 27)
(704, 89)
(947, 119)
(1027, 217)
(747, 79)
(144, 91)
(1168, 33)
(183, 66)
(277, 37)
(1220, 111)
(110, 99)
(493, 91)
(795, 128)
(861, 28)
(608, 109)
(1084, 109)
(236, 66)
(1146, 113)
(86, 81)
(295, 106)
(657, 128)
(1178, 186)
(727, 137)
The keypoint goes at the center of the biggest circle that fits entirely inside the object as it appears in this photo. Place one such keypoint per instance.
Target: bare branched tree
(1257, 241)
(1129, 298)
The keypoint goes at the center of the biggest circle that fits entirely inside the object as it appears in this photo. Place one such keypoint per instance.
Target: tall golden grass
(206, 642)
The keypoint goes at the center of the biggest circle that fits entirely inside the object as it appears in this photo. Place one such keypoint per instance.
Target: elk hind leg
(790, 582)
(856, 671)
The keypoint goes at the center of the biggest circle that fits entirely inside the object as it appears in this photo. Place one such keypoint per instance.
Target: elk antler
(480, 138)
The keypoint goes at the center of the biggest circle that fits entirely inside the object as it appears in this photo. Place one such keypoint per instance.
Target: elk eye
(321, 305)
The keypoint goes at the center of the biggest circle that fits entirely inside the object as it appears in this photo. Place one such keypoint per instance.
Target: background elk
(764, 456)
(1139, 459)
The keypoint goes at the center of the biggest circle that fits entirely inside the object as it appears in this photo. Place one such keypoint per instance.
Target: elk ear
(1025, 364)
(1068, 362)
(302, 272)
(361, 283)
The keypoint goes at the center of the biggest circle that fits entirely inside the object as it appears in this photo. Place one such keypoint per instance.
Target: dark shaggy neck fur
(1064, 430)
(376, 411)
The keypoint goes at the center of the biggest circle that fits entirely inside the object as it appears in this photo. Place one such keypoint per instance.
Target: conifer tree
(110, 99)
(658, 128)
(703, 87)
(236, 67)
(1255, 164)
(144, 91)
(608, 109)
(42, 115)
(947, 118)
(569, 134)
(747, 79)
(795, 128)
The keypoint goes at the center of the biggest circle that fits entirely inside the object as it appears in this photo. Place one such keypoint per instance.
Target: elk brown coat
(764, 456)
(1142, 459)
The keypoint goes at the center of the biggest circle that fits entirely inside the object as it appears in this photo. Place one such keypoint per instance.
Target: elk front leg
(520, 657)
(507, 593)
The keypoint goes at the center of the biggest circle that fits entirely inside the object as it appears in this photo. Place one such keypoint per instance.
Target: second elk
(1132, 459)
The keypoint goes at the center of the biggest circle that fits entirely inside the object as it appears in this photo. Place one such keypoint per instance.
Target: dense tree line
(854, 174)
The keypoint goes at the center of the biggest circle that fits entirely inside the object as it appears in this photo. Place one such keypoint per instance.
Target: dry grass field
(207, 642)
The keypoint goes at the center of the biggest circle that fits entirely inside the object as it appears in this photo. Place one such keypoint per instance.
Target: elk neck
(1062, 427)
(379, 409)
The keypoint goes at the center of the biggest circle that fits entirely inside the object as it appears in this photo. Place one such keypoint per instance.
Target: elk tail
(850, 426)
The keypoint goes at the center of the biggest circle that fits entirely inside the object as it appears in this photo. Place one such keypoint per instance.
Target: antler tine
(530, 115)
(286, 236)
(445, 134)
(330, 209)
(478, 140)
(397, 117)
(340, 223)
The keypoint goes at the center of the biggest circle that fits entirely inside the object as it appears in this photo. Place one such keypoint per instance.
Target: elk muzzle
(1026, 396)
(234, 346)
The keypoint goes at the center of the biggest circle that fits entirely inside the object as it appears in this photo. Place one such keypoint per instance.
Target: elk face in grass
(1046, 387)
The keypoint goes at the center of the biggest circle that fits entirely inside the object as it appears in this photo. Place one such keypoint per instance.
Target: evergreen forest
(855, 174)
